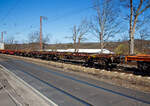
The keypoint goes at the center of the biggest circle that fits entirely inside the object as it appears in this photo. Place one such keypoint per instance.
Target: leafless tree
(45, 40)
(124, 37)
(78, 34)
(137, 10)
(144, 34)
(11, 43)
(10, 40)
(34, 37)
(105, 24)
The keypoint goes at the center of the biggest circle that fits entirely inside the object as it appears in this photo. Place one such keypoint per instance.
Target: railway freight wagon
(104, 61)
(88, 59)
(143, 62)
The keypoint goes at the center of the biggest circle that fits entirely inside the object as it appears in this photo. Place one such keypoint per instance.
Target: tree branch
(148, 6)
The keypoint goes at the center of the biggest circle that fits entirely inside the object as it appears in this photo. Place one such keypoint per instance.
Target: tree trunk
(75, 46)
(131, 34)
(141, 44)
(79, 39)
(101, 42)
(132, 37)
(131, 44)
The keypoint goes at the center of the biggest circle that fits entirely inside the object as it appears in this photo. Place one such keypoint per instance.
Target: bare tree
(10, 40)
(137, 8)
(45, 40)
(124, 37)
(34, 38)
(105, 23)
(11, 43)
(78, 34)
(144, 34)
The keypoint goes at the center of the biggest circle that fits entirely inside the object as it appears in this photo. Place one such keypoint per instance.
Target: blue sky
(20, 17)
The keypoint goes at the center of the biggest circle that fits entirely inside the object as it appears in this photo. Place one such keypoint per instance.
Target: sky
(20, 17)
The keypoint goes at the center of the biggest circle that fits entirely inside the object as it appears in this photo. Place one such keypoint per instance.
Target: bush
(122, 49)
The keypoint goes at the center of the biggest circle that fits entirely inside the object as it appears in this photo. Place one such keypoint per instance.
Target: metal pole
(2, 37)
(41, 46)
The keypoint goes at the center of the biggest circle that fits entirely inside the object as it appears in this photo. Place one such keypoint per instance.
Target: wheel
(143, 66)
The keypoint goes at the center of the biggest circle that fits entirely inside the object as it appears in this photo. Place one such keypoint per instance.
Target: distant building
(1, 46)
